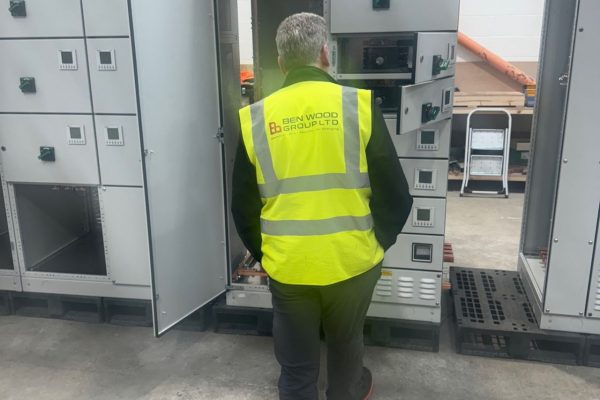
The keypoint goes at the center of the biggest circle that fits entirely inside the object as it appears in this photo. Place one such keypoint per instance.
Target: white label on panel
(67, 60)
(75, 134)
(106, 60)
(113, 136)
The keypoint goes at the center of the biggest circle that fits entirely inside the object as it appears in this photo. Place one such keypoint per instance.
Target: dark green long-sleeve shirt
(390, 201)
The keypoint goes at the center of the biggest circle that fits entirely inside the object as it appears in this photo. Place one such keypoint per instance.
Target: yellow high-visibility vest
(307, 142)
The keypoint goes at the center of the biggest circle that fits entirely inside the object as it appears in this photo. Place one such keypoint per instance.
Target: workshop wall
(511, 28)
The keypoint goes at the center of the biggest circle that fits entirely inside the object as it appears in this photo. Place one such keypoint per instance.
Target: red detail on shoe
(370, 393)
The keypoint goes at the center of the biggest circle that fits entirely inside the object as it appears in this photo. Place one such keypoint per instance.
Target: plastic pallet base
(198, 321)
(243, 320)
(74, 308)
(5, 305)
(128, 312)
(592, 351)
(410, 335)
(494, 319)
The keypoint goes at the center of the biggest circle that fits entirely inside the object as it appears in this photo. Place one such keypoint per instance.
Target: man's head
(302, 40)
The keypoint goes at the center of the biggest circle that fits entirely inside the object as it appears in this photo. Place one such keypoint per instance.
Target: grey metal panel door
(357, 16)
(575, 218)
(435, 44)
(179, 110)
(22, 135)
(432, 141)
(59, 86)
(106, 17)
(113, 90)
(44, 19)
(119, 152)
(415, 96)
(125, 235)
(594, 295)
(422, 252)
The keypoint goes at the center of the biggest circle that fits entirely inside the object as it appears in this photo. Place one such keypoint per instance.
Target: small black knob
(381, 4)
(17, 8)
(27, 84)
(47, 153)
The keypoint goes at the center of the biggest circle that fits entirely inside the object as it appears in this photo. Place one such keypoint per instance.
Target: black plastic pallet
(411, 335)
(592, 351)
(128, 312)
(75, 308)
(5, 305)
(494, 318)
(199, 321)
(242, 320)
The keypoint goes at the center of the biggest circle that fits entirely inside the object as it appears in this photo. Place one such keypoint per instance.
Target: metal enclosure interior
(559, 259)
(266, 17)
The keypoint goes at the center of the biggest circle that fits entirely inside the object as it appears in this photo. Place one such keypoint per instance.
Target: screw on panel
(555, 240)
(591, 242)
(566, 160)
(547, 310)
(581, 314)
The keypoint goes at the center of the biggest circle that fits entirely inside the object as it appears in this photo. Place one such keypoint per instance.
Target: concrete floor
(61, 360)
(484, 232)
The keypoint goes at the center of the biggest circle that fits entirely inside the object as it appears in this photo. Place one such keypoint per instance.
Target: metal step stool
(487, 153)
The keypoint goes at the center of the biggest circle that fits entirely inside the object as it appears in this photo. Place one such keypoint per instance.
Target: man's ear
(324, 56)
(281, 65)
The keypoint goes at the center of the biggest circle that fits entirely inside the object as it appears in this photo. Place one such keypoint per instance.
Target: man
(318, 196)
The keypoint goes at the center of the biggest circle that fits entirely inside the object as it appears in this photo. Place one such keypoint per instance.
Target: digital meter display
(105, 57)
(422, 252)
(423, 214)
(75, 132)
(113, 134)
(428, 137)
(425, 176)
(66, 57)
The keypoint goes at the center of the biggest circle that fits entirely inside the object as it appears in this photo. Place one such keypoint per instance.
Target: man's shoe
(366, 384)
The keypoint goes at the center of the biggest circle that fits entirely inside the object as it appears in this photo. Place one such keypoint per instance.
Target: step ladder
(487, 153)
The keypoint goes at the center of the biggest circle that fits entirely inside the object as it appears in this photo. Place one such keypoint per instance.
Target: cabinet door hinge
(220, 135)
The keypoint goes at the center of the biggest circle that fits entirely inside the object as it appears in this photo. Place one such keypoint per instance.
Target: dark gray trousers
(298, 313)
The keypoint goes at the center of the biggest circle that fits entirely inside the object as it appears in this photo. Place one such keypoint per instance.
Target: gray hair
(300, 38)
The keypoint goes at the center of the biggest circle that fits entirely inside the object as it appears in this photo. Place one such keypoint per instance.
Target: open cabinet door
(178, 97)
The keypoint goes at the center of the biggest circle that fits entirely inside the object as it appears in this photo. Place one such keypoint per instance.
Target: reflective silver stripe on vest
(316, 227)
(352, 179)
(314, 183)
(261, 145)
(351, 130)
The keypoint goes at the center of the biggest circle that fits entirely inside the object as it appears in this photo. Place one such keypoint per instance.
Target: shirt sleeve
(246, 204)
(391, 201)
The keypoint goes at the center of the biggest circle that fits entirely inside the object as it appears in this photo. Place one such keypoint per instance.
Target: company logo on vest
(305, 123)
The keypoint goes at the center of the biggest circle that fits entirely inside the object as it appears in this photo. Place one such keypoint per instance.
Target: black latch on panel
(429, 112)
(17, 8)
(439, 65)
(27, 85)
(381, 4)
(47, 153)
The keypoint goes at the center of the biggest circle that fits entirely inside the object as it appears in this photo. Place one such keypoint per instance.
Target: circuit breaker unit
(111, 148)
(559, 260)
(406, 55)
